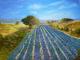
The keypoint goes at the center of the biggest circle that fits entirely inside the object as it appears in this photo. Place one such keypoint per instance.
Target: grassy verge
(78, 57)
(9, 42)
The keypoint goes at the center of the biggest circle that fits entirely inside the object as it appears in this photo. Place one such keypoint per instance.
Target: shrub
(1, 41)
(66, 28)
(78, 57)
(78, 52)
(30, 20)
(77, 31)
(66, 19)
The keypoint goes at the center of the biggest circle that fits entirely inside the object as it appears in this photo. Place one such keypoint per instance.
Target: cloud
(56, 3)
(67, 6)
(35, 6)
(35, 9)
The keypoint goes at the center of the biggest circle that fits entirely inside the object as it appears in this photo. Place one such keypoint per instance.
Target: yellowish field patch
(6, 29)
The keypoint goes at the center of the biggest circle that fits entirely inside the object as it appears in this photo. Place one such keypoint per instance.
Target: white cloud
(55, 3)
(35, 6)
(33, 12)
(67, 6)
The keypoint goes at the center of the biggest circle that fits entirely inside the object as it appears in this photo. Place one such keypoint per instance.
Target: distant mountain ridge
(9, 20)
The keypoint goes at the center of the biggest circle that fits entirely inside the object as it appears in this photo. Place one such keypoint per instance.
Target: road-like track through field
(45, 43)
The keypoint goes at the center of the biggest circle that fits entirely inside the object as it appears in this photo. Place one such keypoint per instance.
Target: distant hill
(8, 20)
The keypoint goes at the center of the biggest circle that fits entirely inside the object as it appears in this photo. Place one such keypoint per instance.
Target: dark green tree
(77, 31)
(30, 20)
(66, 19)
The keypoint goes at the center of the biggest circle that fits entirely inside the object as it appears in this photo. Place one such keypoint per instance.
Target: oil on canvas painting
(39, 29)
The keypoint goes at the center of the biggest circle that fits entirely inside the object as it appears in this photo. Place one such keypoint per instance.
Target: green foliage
(77, 31)
(78, 52)
(57, 27)
(11, 41)
(17, 22)
(1, 37)
(30, 20)
(48, 22)
(78, 56)
(66, 19)
(1, 41)
(66, 28)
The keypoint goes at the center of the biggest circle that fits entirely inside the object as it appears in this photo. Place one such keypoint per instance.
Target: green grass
(10, 42)
(78, 57)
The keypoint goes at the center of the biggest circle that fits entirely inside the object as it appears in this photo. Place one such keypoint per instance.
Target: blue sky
(43, 9)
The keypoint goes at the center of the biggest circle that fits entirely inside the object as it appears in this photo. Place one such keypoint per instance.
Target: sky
(42, 9)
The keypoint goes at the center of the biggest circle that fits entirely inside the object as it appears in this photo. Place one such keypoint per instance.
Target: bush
(17, 22)
(1, 37)
(11, 41)
(1, 41)
(66, 28)
(78, 57)
(77, 31)
(66, 19)
(30, 20)
(57, 26)
(61, 28)
(78, 52)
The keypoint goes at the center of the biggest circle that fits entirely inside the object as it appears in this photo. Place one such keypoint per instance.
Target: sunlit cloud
(35, 6)
(47, 13)
(67, 6)
(55, 3)
(56, 15)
